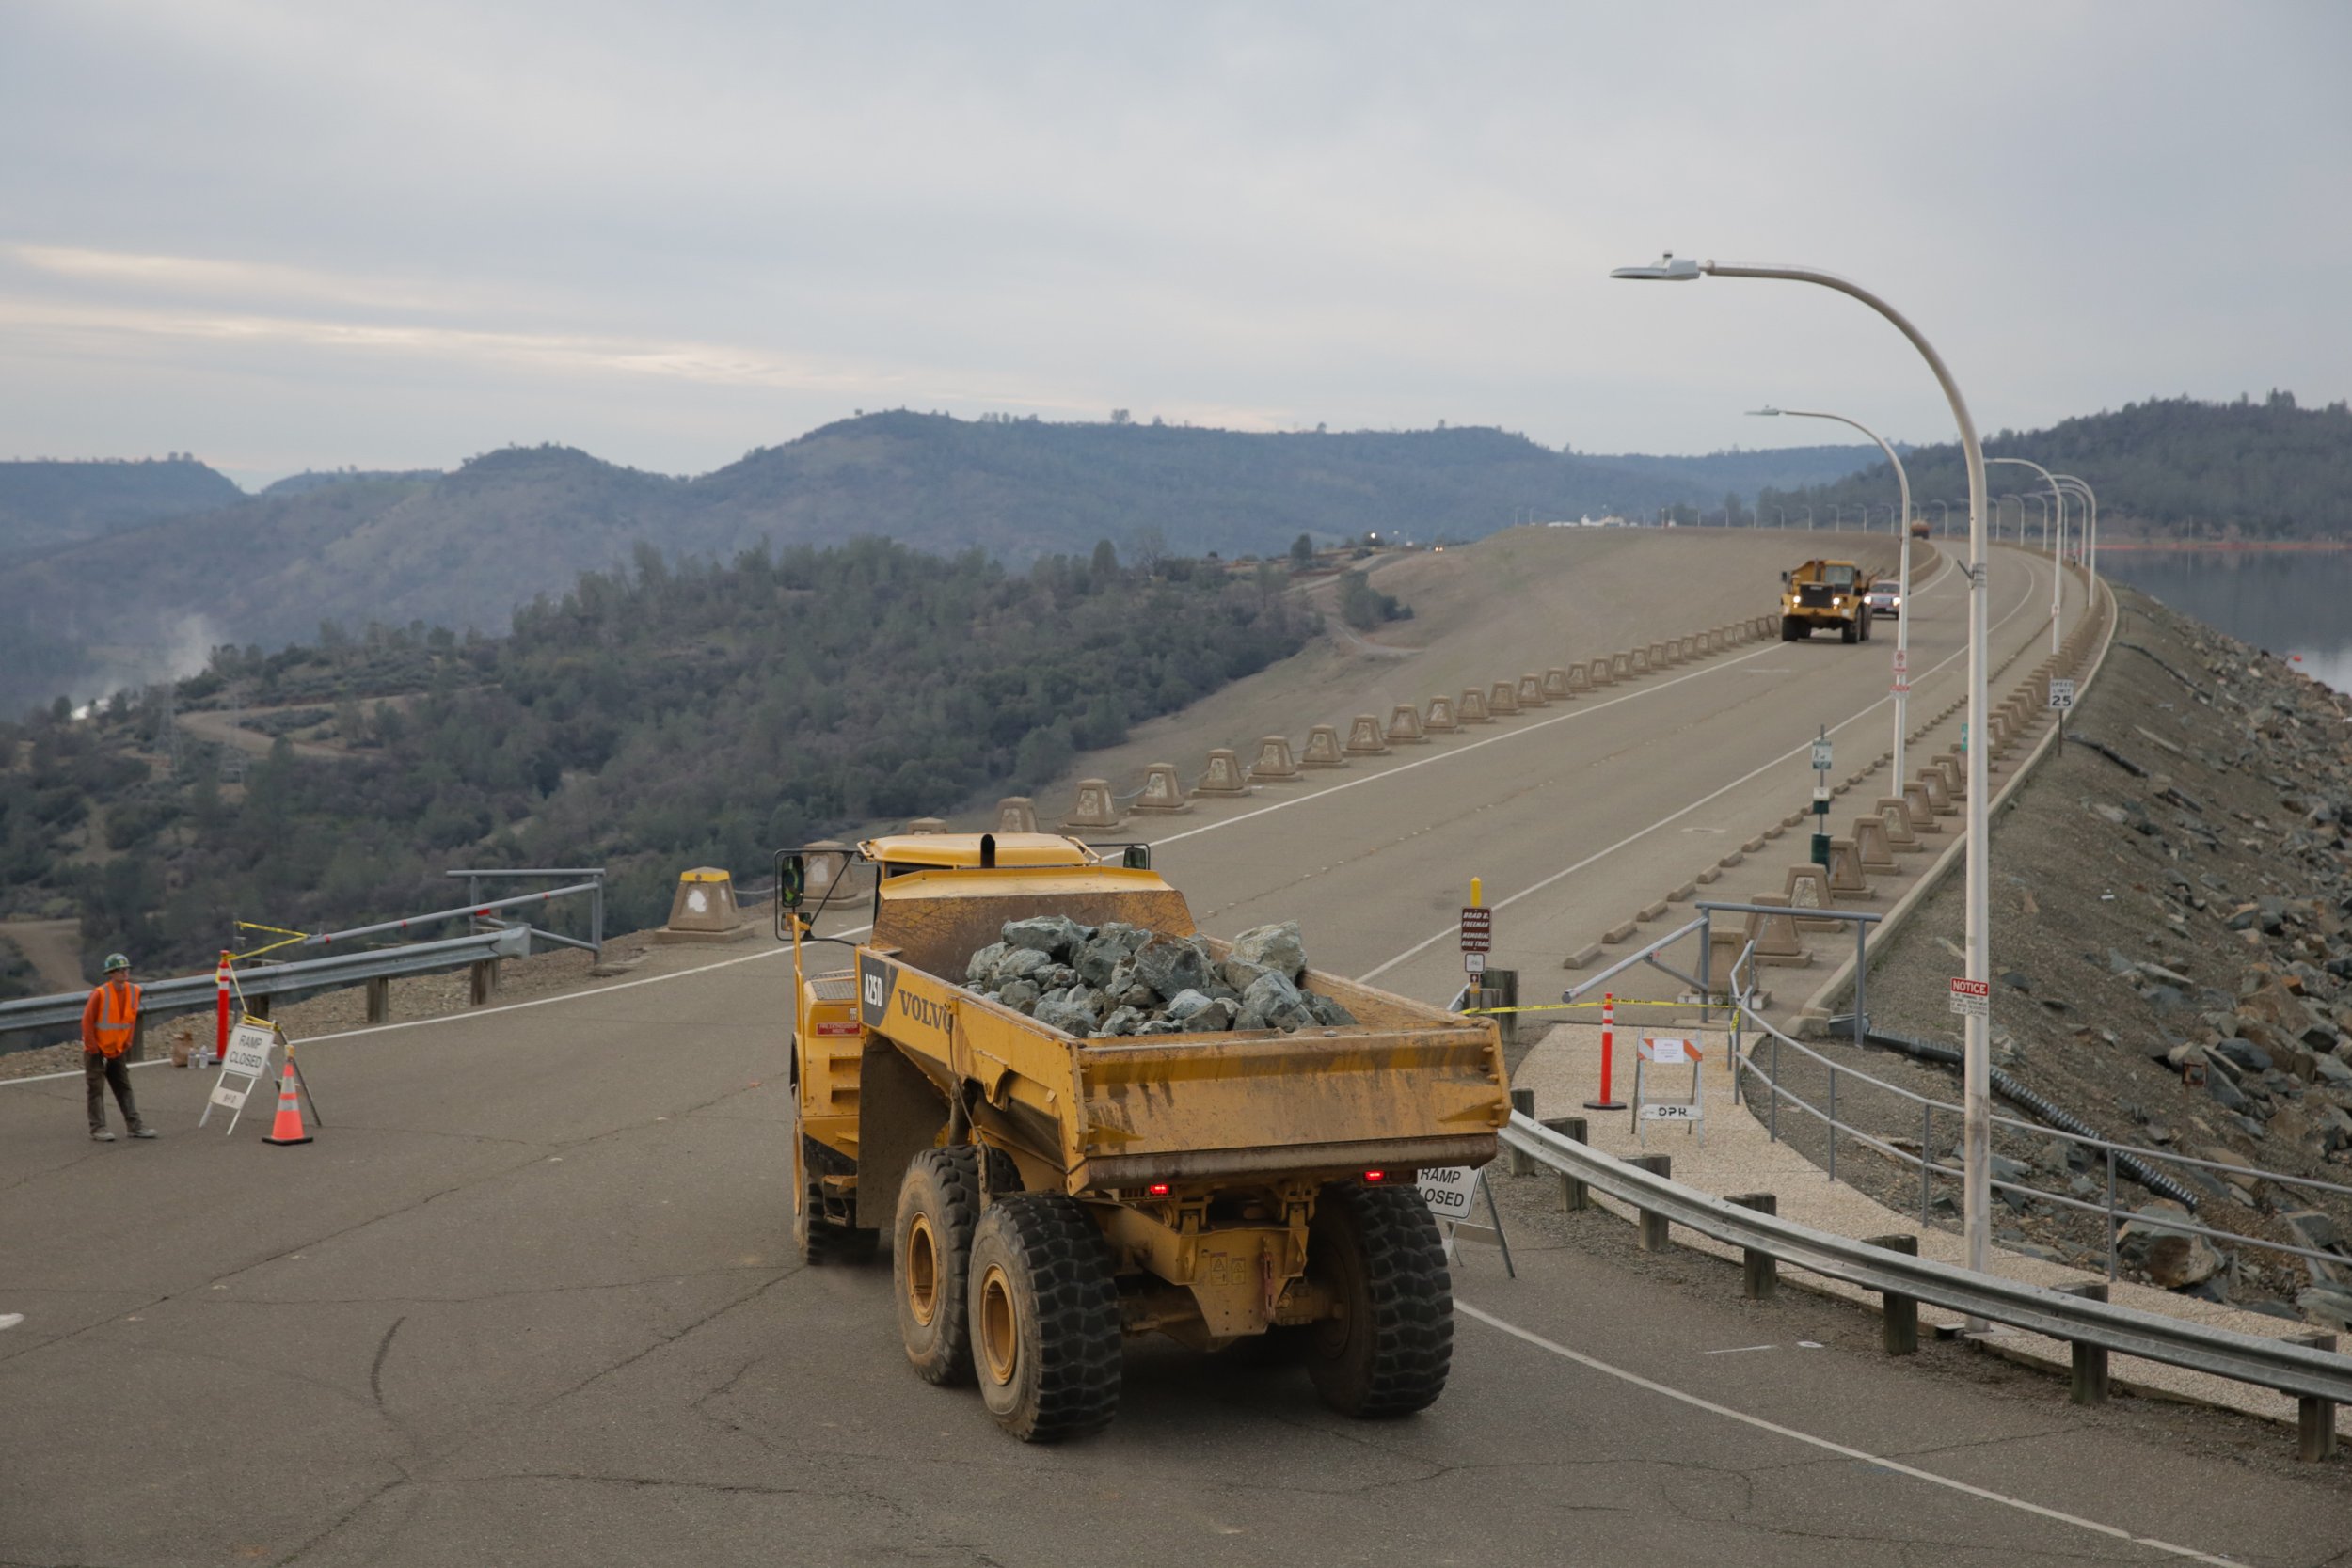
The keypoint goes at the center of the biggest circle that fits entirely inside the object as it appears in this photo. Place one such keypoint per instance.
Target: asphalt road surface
(528, 1298)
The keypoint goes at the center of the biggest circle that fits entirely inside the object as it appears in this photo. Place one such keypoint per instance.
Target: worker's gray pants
(100, 1069)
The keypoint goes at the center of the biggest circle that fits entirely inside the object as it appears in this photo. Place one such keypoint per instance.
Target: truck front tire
(819, 1239)
(1377, 1251)
(1792, 629)
(1044, 1318)
(931, 1257)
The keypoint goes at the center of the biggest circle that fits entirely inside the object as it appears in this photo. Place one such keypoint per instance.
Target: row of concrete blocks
(1097, 808)
(1899, 826)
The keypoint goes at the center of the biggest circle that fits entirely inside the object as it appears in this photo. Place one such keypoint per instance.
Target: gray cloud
(288, 234)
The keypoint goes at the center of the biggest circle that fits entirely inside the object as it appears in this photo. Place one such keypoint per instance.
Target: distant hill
(2265, 470)
(45, 504)
(464, 548)
(1746, 473)
(296, 485)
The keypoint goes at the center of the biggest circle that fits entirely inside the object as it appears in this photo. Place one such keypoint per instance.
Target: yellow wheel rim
(922, 1269)
(1000, 1330)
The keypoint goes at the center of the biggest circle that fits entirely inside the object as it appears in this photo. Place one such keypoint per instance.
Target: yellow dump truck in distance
(1046, 1195)
(1825, 594)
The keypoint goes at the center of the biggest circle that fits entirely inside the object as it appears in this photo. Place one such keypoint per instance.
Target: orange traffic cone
(289, 1128)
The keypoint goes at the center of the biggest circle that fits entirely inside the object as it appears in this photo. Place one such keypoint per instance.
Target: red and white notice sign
(1972, 998)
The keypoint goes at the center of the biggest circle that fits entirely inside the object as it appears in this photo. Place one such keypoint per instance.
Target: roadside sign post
(2061, 698)
(1669, 1051)
(1452, 1192)
(1903, 671)
(250, 1042)
(1820, 799)
(1972, 998)
(1478, 933)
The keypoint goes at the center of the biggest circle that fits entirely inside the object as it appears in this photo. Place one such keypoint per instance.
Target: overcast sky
(306, 234)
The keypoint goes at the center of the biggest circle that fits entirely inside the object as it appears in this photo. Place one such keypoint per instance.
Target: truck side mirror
(791, 879)
(1783, 579)
(1137, 857)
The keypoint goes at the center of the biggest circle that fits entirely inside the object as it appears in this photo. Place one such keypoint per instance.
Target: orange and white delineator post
(220, 1013)
(1607, 1101)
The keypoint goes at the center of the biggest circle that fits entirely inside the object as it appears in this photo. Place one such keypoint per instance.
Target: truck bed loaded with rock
(1107, 1124)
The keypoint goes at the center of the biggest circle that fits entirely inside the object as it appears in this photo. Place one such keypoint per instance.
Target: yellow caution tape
(291, 937)
(1571, 1007)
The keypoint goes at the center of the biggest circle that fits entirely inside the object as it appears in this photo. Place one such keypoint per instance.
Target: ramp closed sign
(1448, 1190)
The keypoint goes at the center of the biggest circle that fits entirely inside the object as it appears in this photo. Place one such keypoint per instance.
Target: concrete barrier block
(1503, 698)
(1711, 875)
(1162, 793)
(1223, 775)
(1556, 686)
(1650, 911)
(1323, 748)
(1584, 958)
(1405, 726)
(1920, 808)
(921, 825)
(1774, 830)
(1845, 877)
(1016, 814)
(1096, 808)
(1807, 888)
(1364, 738)
(1473, 707)
(1955, 777)
(1734, 858)
(1621, 667)
(1639, 661)
(1683, 893)
(1530, 691)
(1580, 677)
(703, 909)
(1441, 720)
(1275, 764)
(1751, 847)
(1871, 842)
(1775, 933)
(1939, 799)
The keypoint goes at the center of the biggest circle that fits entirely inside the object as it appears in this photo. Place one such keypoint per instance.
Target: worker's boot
(100, 1135)
(143, 1131)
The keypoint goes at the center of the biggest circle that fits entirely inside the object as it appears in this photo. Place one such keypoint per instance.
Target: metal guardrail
(2322, 1377)
(2115, 1156)
(197, 992)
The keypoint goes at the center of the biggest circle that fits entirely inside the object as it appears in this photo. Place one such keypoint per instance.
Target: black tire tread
(955, 1172)
(822, 1242)
(1410, 1304)
(1069, 1266)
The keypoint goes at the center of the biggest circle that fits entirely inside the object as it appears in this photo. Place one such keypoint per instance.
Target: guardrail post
(1652, 1225)
(1517, 1161)
(596, 915)
(2089, 1380)
(482, 981)
(2315, 1418)
(379, 999)
(1574, 1194)
(1760, 1271)
(1898, 1316)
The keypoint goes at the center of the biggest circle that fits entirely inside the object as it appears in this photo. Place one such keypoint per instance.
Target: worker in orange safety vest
(112, 1031)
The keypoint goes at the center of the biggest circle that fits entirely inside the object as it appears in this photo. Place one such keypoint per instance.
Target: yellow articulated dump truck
(1825, 594)
(1047, 1194)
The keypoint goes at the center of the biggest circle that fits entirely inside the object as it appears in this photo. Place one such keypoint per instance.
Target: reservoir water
(2287, 602)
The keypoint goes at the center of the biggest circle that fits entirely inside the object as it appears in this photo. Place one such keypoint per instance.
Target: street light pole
(2058, 545)
(2090, 547)
(1976, 1180)
(1902, 587)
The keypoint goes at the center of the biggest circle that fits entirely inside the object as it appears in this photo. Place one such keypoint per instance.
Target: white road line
(1696, 1403)
(1435, 937)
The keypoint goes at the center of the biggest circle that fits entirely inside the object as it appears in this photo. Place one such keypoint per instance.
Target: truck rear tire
(1388, 1350)
(1044, 1318)
(1849, 632)
(931, 1257)
(1792, 629)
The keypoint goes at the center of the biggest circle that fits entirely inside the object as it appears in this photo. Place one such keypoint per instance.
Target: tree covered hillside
(649, 720)
(464, 548)
(2175, 465)
(45, 503)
